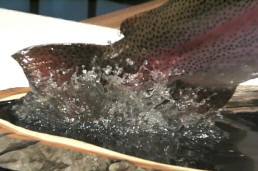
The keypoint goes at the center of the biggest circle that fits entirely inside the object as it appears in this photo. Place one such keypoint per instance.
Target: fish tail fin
(53, 72)
(57, 62)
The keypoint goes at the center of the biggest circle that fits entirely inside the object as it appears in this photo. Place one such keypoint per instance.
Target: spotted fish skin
(199, 47)
(198, 43)
(189, 40)
(194, 41)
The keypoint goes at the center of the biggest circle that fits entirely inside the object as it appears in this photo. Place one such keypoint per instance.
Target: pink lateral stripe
(223, 30)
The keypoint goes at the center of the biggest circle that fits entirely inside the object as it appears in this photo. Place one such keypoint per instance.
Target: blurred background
(76, 10)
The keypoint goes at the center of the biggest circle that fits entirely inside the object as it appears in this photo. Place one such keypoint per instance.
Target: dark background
(76, 10)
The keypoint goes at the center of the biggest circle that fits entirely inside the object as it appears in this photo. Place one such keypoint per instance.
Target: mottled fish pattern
(190, 40)
(200, 49)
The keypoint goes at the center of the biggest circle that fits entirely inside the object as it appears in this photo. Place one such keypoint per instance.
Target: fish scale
(176, 65)
(171, 31)
(177, 40)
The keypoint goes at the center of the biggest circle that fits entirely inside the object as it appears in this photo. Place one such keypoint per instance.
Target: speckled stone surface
(20, 155)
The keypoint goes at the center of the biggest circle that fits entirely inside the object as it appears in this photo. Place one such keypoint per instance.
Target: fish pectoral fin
(56, 62)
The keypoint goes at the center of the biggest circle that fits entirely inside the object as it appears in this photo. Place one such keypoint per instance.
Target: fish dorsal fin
(56, 62)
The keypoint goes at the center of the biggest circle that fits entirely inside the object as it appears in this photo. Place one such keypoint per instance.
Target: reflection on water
(247, 123)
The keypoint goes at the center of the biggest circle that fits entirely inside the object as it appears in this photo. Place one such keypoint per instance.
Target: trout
(198, 50)
(210, 44)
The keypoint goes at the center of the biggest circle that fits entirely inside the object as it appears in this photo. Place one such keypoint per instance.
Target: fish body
(181, 40)
(196, 39)
(184, 58)
(209, 44)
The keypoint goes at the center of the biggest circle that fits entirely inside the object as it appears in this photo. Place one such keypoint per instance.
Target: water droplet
(107, 69)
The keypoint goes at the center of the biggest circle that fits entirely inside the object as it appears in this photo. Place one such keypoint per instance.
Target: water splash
(148, 122)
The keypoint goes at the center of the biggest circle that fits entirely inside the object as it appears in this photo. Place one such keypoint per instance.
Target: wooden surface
(114, 19)
(244, 100)
(13, 93)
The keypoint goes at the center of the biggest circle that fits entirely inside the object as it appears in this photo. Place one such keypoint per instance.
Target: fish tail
(57, 62)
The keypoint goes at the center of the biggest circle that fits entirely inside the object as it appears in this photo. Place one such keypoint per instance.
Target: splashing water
(145, 122)
(127, 96)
